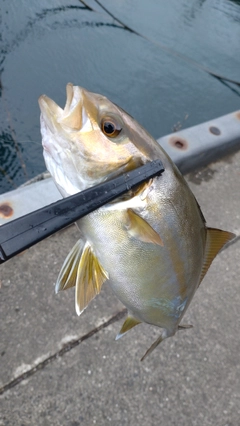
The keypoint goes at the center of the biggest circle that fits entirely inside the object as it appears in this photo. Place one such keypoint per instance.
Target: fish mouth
(70, 116)
(50, 112)
(47, 104)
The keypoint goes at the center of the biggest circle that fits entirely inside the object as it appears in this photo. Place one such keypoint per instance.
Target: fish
(152, 245)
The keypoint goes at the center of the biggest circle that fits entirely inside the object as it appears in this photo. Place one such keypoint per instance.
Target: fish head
(90, 140)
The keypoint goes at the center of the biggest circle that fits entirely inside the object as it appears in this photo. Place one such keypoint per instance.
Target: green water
(44, 45)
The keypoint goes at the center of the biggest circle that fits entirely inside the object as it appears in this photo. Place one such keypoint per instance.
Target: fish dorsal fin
(90, 278)
(216, 239)
(68, 273)
(129, 323)
(140, 229)
(74, 119)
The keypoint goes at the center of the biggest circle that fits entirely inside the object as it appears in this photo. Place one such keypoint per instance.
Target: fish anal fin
(216, 239)
(140, 229)
(129, 323)
(90, 278)
(68, 273)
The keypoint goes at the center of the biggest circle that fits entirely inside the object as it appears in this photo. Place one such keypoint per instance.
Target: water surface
(45, 45)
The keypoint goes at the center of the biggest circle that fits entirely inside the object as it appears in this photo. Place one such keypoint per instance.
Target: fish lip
(48, 106)
(51, 113)
(68, 118)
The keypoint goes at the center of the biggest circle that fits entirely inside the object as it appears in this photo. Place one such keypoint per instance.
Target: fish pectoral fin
(140, 229)
(90, 278)
(68, 273)
(216, 239)
(129, 323)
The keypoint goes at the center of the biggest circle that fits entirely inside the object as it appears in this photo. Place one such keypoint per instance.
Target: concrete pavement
(59, 369)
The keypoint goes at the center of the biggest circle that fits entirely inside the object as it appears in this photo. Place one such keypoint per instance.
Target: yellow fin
(129, 323)
(90, 278)
(68, 273)
(216, 239)
(141, 230)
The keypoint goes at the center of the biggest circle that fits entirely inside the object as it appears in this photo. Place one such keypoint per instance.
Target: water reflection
(33, 25)
(20, 37)
(10, 166)
(236, 1)
(230, 8)
(191, 10)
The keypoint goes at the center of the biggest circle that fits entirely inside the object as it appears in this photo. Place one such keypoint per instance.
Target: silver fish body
(152, 246)
(154, 282)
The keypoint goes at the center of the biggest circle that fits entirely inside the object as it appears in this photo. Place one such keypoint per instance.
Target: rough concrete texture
(191, 379)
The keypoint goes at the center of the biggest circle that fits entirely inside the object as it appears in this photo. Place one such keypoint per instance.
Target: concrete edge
(199, 145)
(189, 148)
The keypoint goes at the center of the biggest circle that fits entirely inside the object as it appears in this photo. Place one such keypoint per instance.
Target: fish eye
(110, 127)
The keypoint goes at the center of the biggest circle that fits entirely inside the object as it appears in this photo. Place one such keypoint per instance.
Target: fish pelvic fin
(140, 229)
(68, 273)
(216, 239)
(90, 278)
(129, 323)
